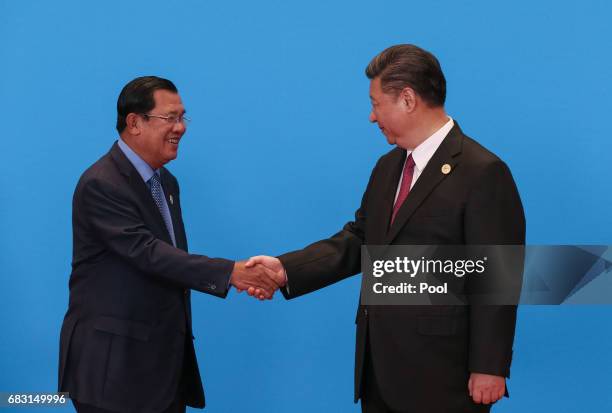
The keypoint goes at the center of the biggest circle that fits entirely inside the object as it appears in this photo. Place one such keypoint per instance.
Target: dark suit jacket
(126, 341)
(422, 355)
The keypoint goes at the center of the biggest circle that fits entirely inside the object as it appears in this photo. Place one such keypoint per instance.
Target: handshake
(260, 276)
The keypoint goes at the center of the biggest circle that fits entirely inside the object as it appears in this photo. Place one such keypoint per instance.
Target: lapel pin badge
(171, 200)
(446, 168)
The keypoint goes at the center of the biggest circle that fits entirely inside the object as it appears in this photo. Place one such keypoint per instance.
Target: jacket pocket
(126, 328)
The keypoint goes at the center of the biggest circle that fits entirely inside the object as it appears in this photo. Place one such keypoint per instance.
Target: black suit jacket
(126, 341)
(422, 355)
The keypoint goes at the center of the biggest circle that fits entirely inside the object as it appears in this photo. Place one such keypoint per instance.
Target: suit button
(213, 287)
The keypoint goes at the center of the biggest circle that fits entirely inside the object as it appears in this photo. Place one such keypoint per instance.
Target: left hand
(486, 388)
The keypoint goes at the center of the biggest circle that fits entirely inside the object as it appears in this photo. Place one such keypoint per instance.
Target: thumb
(251, 262)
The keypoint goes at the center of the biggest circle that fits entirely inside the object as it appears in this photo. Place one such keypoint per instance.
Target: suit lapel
(141, 190)
(430, 178)
(172, 200)
(384, 209)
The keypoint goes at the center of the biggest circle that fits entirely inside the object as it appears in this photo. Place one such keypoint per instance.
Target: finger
(470, 386)
(266, 282)
(259, 278)
(268, 271)
(477, 395)
(262, 292)
(264, 295)
(497, 394)
(251, 290)
(277, 276)
(486, 396)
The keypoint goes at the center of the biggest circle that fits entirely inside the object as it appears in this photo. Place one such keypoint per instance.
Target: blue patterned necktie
(156, 191)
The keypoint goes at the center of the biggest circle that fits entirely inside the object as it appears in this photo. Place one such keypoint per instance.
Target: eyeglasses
(173, 119)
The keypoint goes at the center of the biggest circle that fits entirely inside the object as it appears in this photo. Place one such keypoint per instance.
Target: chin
(169, 158)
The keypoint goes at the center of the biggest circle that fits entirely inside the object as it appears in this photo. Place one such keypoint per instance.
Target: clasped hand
(260, 276)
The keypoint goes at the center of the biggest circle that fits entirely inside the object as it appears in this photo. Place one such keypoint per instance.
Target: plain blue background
(278, 155)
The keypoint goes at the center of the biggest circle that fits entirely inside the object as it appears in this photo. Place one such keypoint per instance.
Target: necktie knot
(154, 180)
(410, 162)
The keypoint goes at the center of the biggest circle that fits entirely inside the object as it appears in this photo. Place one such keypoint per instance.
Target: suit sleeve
(494, 216)
(113, 218)
(330, 260)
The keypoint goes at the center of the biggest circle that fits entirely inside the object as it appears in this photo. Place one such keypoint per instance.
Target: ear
(409, 97)
(133, 123)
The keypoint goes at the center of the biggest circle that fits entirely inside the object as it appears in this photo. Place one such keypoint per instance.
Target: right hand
(255, 278)
(272, 266)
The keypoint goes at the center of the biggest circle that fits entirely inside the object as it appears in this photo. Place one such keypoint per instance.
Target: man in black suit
(126, 340)
(437, 186)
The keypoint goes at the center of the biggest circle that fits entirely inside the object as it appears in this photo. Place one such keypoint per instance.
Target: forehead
(376, 91)
(379, 95)
(168, 101)
(375, 88)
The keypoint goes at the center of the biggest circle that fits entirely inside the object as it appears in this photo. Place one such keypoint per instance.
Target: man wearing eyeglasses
(126, 340)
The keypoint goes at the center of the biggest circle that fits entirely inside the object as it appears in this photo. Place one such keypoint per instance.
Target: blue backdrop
(278, 155)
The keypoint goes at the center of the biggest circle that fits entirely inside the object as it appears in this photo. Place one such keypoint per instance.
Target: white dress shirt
(423, 153)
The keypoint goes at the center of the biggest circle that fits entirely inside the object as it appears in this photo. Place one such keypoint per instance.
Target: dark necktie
(405, 187)
(156, 192)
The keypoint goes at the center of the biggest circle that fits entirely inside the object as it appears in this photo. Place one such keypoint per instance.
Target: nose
(373, 117)
(180, 127)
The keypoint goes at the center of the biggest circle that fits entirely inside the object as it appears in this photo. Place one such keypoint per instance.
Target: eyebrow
(176, 112)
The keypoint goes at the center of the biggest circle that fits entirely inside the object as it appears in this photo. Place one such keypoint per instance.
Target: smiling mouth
(174, 141)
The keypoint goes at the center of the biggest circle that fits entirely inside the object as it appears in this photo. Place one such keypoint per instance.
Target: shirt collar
(143, 168)
(423, 153)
